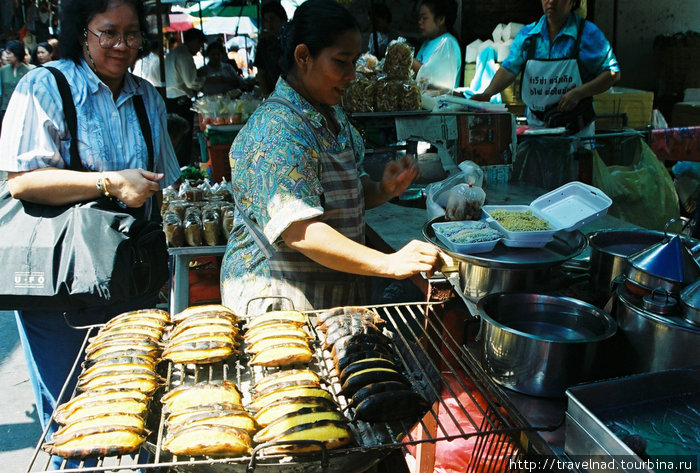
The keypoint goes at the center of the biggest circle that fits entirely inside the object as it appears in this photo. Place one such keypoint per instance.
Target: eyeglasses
(111, 39)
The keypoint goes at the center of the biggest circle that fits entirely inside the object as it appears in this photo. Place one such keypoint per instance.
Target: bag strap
(71, 117)
(145, 129)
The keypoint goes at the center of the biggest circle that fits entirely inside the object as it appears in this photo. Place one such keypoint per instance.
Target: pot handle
(619, 279)
(668, 225)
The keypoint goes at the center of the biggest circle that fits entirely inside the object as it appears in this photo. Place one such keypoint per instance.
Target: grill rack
(418, 333)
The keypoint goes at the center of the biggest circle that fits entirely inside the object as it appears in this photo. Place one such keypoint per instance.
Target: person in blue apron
(565, 61)
(300, 193)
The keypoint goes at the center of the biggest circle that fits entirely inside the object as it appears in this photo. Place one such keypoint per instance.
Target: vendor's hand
(569, 100)
(481, 97)
(133, 186)
(417, 256)
(398, 175)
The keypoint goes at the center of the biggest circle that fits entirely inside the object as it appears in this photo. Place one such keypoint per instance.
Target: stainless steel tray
(563, 247)
(663, 408)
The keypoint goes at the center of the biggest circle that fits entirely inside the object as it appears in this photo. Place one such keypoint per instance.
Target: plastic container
(445, 230)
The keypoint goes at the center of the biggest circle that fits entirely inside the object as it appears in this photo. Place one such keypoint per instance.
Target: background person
(182, 84)
(219, 76)
(42, 54)
(269, 51)
(297, 179)
(547, 50)
(381, 16)
(435, 20)
(100, 40)
(11, 73)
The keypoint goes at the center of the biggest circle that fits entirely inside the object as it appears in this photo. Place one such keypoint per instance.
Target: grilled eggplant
(274, 410)
(282, 355)
(288, 392)
(391, 405)
(332, 433)
(365, 364)
(186, 396)
(96, 441)
(208, 439)
(305, 415)
(371, 375)
(374, 388)
(276, 316)
(285, 376)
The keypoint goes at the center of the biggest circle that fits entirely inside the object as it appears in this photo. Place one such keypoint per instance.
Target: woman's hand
(417, 256)
(569, 100)
(133, 186)
(480, 97)
(398, 175)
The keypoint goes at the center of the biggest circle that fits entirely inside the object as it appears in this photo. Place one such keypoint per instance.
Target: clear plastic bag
(642, 193)
(398, 59)
(441, 69)
(437, 193)
(464, 202)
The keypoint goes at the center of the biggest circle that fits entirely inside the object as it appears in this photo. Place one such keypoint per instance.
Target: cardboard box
(686, 114)
(636, 104)
(511, 94)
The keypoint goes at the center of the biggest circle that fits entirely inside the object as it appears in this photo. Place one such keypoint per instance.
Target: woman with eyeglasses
(100, 40)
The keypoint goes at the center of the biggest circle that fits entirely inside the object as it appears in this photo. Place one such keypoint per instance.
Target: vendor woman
(300, 192)
(563, 58)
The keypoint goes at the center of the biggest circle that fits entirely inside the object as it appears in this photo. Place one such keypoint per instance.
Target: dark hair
(215, 45)
(17, 48)
(442, 8)
(577, 5)
(380, 10)
(46, 46)
(318, 24)
(275, 8)
(75, 16)
(193, 34)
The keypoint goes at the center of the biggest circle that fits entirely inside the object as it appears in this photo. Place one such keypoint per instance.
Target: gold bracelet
(105, 192)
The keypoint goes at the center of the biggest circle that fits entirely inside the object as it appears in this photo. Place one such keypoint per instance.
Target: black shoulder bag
(83, 255)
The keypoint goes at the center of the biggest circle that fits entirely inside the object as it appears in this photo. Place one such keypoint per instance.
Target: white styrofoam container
(572, 205)
(528, 239)
(463, 248)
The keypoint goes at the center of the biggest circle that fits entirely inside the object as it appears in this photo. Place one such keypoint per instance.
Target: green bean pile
(520, 221)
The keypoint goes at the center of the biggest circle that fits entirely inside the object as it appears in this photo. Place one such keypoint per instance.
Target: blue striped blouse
(34, 133)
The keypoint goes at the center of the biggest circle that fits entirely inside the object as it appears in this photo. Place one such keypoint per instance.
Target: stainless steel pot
(538, 344)
(652, 342)
(609, 252)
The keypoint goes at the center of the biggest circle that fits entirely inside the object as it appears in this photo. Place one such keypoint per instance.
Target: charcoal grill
(429, 354)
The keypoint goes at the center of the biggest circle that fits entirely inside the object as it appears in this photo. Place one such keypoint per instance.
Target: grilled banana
(371, 375)
(152, 314)
(109, 419)
(332, 433)
(284, 376)
(100, 369)
(100, 408)
(208, 327)
(110, 376)
(364, 364)
(144, 383)
(374, 388)
(282, 355)
(199, 352)
(277, 316)
(96, 441)
(206, 439)
(344, 362)
(278, 330)
(285, 385)
(288, 392)
(235, 417)
(107, 349)
(65, 410)
(306, 415)
(274, 410)
(391, 405)
(351, 328)
(120, 358)
(186, 396)
(265, 343)
(204, 309)
(344, 342)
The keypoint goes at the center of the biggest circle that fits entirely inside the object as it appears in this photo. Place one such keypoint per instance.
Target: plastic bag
(437, 193)
(642, 193)
(464, 202)
(398, 59)
(441, 69)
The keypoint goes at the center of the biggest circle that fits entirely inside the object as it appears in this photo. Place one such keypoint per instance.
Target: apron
(296, 278)
(545, 81)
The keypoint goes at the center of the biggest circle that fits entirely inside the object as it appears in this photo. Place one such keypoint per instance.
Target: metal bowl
(539, 344)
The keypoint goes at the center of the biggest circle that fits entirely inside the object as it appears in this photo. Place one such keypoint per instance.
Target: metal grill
(430, 357)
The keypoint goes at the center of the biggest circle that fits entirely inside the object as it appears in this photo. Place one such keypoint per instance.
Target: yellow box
(636, 104)
(510, 95)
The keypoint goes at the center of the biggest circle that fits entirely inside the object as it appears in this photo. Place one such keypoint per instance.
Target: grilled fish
(96, 441)
(306, 415)
(282, 355)
(276, 409)
(206, 439)
(186, 396)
